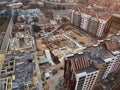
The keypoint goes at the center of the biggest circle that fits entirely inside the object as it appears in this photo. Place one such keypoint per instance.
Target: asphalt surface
(7, 35)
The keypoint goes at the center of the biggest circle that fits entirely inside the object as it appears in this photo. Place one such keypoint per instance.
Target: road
(39, 81)
(7, 36)
(47, 34)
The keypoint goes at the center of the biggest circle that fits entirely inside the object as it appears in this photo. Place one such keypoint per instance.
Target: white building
(80, 74)
(85, 21)
(86, 79)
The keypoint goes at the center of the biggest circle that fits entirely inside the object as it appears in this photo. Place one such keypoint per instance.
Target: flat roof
(89, 69)
(100, 61)
(75, 56)
(24, 69)
(104, 16)
(99, 52)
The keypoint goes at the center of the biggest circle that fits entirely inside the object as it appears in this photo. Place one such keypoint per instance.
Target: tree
(36, 28)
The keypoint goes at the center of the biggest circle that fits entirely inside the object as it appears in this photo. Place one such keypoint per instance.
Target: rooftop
(100, 15)
(101, 52)
(21, 40)
(7, 68)
(89, 69)
(111, 45)
(24, 70)
(81, 63)
(5, 83)
(29, 11)
(100, 61)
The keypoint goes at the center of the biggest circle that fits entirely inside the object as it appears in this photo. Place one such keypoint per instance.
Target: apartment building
(110, 53)
(8, 66)
(91, 22)
(80, 73)
(113, 47)
(18, 71)
(6, 83)
(108, 58)
(75, 17)
(84, 71)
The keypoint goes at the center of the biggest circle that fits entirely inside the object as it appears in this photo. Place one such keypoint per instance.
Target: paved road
(47, 34)
(7, 35)
(39, 81)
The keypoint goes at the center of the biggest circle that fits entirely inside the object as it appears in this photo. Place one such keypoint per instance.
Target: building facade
(84, 71)
(79, 73)
(93, 23)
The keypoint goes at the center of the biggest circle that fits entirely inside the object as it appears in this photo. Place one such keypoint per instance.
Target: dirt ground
(115, 27)
(53, 79)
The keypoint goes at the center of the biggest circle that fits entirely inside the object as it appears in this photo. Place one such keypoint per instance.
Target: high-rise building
(107, 57)
(113, 47)
(80, 73)
(94, 23)
(75, 17)
(84, 71)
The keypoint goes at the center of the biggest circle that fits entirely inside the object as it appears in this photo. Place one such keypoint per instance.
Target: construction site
(19, 68)
(65, 40)
(61, 45)
(21, 40)
(18, 71)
